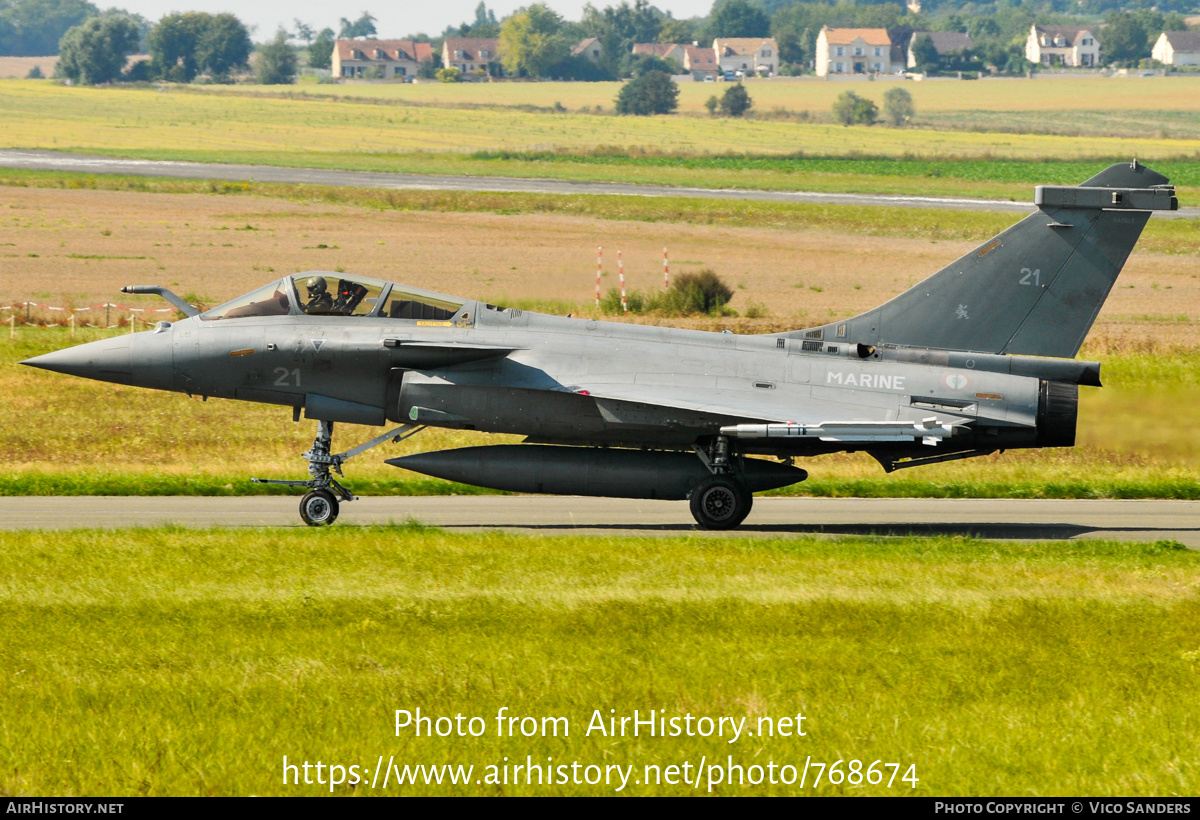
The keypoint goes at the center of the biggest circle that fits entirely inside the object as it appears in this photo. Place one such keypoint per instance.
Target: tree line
(536, 41)
(181, 47)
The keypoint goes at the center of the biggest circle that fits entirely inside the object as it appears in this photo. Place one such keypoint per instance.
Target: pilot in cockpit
(319, 299)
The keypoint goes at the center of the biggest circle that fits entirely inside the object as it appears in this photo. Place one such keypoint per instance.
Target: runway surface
(551, 515)
(53, 161)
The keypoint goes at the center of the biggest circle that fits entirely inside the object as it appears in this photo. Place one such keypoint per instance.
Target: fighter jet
(976, 359)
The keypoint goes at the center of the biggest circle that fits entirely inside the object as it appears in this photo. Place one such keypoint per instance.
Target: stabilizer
(1034, 289)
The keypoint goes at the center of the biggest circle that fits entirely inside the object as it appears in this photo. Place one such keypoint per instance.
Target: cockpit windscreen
(270, 300)
(322, 293)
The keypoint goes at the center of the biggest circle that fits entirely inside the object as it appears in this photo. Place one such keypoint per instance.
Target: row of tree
(851, 109)
(32, 28)
(536, 41)
(181, 46)
(654, 92)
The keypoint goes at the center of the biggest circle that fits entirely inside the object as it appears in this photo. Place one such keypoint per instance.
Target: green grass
(190, 662)
(1183, 172)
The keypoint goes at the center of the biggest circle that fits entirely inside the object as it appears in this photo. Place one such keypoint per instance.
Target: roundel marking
(957, 381)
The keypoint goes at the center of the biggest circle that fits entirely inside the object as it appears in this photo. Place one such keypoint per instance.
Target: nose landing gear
(321, 505)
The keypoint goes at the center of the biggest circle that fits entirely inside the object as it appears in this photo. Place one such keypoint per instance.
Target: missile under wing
(975, 359)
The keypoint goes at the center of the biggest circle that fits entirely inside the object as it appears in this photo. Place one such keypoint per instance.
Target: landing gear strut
(320, 506)
(721, 501)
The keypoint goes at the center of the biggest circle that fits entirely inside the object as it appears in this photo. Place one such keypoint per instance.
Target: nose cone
(108, 360)
(141, 360)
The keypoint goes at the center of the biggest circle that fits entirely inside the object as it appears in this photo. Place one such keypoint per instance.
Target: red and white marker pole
(599, 268)
(666, 270)
(621, 276)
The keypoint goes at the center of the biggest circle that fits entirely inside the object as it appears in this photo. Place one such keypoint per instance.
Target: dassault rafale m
(977, 358)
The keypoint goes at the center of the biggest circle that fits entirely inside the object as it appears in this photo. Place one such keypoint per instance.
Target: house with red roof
(701, 63)
(379, 59)
(475, 57)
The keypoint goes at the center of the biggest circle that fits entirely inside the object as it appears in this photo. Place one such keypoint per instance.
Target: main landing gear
(321, 504)
(721, 501)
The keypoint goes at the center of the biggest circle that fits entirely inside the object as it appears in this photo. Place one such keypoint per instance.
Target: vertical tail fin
(1034, 289)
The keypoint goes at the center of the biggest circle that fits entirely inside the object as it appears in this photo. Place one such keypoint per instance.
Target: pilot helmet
(316, 285)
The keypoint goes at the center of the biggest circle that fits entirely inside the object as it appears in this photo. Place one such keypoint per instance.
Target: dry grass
(1048, 94)
(212, 125)
(76, 248)
(18, 68)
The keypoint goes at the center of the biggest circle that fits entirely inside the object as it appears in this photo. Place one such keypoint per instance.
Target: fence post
(621, 276)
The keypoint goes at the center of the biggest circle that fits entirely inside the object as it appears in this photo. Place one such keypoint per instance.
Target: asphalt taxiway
(1003, 519)
(79, 163)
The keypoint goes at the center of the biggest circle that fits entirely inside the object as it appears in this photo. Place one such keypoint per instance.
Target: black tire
(319, 508)
(720, 503)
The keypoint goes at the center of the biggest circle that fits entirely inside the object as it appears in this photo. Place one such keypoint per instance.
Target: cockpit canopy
(321, 293)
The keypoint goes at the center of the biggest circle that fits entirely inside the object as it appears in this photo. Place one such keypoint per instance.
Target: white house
(1177, 48)
(379, 59)
(1072, 46)
(749, 55)
(853, 51)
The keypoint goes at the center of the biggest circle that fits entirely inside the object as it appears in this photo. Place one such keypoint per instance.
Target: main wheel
(319, 508)
(720, 503)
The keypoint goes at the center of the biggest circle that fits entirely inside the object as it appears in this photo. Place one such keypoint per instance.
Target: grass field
(70, 237)
(1048, 95)
(191, 662)
(379, 128)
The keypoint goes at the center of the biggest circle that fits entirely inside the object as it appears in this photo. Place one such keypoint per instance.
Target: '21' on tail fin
(1034, 289)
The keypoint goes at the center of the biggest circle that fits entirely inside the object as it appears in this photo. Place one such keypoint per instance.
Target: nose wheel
(319, 508)
(321, 505)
